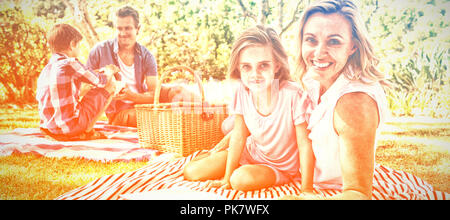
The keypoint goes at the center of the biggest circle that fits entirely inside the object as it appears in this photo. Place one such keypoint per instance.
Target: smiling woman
(336, 63)
(326, 46)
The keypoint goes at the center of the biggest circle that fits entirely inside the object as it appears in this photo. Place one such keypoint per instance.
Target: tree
(82, 20)
(23, 55)
(411, 38)
(265, 10)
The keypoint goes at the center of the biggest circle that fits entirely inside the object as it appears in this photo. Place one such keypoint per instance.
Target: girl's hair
(362, 63)
(260, 36)
(60, 37)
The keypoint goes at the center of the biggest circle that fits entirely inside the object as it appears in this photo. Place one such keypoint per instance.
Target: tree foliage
(24, 53)
(411, 38)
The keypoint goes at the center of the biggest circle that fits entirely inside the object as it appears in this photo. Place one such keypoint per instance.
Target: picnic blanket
(166, 176)
(122, 144)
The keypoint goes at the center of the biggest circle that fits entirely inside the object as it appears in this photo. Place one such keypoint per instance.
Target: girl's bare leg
(252, 177)
(206, 167)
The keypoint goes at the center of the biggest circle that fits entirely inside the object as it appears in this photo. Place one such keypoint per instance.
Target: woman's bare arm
(355, 121)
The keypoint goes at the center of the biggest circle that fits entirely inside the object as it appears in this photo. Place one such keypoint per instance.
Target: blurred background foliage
(411, 38)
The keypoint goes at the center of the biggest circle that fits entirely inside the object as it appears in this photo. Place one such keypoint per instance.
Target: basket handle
(171, 70)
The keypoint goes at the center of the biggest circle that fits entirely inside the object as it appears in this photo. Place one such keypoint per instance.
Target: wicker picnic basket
(180, 127)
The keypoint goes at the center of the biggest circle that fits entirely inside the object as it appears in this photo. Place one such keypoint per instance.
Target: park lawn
(419, 147)
(33, 177)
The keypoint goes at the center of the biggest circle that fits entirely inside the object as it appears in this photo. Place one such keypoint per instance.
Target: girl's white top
(273, 139)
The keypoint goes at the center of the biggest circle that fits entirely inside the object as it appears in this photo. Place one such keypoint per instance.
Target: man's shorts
(125, 117)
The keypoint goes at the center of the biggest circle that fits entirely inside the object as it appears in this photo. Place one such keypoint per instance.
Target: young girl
(269, 136)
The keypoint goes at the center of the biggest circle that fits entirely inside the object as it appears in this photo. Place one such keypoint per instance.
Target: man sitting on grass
(64, 115)
(138, 70)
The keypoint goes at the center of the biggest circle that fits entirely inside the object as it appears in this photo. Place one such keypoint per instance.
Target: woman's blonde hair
(362, 63)
(257, 36)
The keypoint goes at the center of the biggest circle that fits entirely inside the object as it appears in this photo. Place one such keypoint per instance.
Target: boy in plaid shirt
(64, 114)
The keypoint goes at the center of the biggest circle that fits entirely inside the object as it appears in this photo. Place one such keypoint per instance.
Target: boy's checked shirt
(58, 90)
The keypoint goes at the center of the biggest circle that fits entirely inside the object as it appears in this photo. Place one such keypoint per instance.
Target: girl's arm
(307, 158)
(237, 142)
(223, 144)
(355, 121)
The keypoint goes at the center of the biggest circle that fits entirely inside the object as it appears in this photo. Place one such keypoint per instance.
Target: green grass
(420, 147)
(28, 176)
(12, 116)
